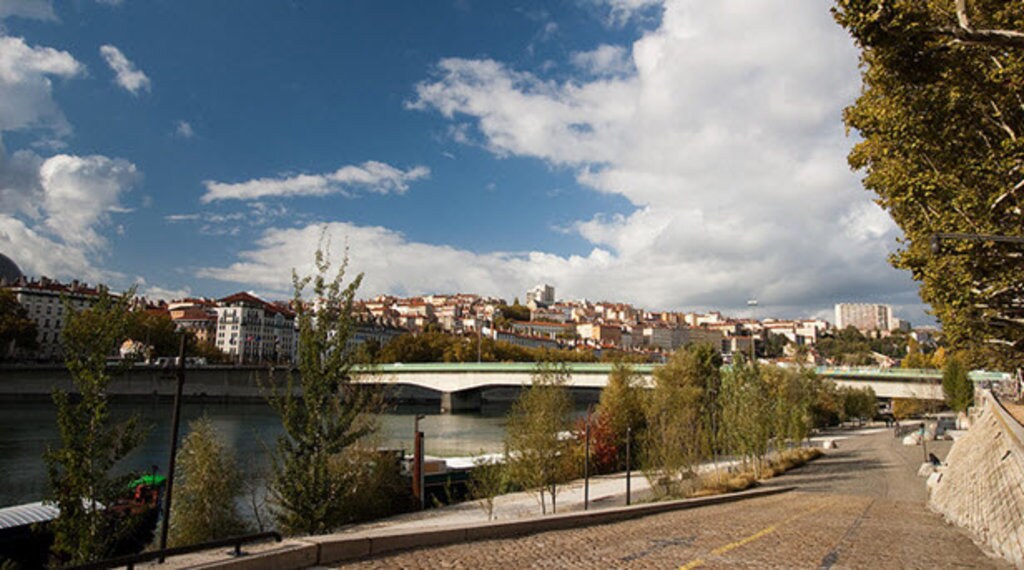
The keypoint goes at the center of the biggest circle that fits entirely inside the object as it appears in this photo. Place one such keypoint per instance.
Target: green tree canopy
(312, 487)
(941, 123)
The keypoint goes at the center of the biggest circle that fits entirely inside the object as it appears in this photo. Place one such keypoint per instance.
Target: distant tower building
(866, 317)
(541, 295)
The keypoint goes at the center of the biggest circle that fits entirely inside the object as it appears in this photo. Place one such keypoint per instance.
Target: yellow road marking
(759, 534)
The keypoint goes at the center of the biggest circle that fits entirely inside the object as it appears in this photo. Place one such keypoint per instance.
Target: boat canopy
(23, 515)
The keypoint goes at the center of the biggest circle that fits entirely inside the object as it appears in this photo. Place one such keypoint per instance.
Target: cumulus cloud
(372, 176)
(26, 88)
(79, 193)
(51, 210)
(729, 146)
(127, 75)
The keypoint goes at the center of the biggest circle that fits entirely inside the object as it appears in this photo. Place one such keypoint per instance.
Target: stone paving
(862, 506)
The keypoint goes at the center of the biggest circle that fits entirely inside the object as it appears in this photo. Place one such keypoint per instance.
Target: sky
(676, 154)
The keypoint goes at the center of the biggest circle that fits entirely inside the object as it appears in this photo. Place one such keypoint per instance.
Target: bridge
(468, 386)
(455, 387)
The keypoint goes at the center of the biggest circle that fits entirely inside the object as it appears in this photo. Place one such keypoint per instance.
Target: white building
(250, 329)
(42, 300)
(541, 295)
(866, 317)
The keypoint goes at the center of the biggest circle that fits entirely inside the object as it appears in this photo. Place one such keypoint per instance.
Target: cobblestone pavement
(861, 506)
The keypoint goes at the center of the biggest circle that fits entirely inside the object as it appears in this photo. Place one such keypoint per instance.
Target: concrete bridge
(467, 386)
(454, 387)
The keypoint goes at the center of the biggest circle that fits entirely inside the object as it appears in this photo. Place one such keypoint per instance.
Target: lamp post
(418, 478)
(586, 465)
(175, 422)
(629, 438)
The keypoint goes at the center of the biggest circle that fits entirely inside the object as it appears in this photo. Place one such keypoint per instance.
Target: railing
(129, 562)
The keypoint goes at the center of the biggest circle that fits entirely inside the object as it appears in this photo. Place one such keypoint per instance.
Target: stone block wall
(981, 488)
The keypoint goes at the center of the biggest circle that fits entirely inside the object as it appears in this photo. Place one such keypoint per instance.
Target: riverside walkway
(860, 506)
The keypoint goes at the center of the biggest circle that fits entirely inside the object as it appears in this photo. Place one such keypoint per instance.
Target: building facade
(865, 317)
(252, 330)
(42, 299)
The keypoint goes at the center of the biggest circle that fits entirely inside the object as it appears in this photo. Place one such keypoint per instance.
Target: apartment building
(250, 329)
(42, 299)
(866, 317)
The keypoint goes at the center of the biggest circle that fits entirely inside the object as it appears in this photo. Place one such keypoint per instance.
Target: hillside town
(244, 328)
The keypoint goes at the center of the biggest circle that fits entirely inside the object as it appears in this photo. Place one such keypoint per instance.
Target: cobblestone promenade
(862, 506)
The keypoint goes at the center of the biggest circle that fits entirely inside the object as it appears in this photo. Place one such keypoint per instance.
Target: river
(28, 428)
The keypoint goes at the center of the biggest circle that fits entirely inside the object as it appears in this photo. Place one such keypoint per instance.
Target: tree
(156, 330)
(622, 406)
(79, 472)
(310, 487)
(205, 499)
(487, 480)
(941, 123)
(957, 387)
(677, 417)
(746, 413)
(858, 403)
(17, 330)
(538, 457)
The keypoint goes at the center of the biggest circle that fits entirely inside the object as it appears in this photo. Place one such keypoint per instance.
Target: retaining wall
(982, 486)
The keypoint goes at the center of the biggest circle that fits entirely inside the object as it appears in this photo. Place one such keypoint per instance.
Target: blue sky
(631, 150)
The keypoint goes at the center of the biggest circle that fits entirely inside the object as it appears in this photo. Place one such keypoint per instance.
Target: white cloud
(372, 176)
(26, 90)
(51, 210)
(29, 9)
(80, 192)
(156, 292)
(604, 60)
(127, 75)
(39, 254)
(729, 146)
(184, 130)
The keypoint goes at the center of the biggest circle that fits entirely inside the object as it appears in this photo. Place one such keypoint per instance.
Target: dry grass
(723, 481)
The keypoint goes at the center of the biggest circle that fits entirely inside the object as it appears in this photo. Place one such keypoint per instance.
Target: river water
(28, 428)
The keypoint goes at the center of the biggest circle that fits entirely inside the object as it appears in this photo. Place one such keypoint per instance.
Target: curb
(340, 548)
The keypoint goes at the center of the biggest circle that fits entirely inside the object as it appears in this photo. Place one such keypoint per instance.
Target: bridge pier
(461, 402)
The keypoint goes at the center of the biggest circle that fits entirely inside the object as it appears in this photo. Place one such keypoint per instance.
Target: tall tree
(79, 472)
(17, 330)
(537, 453)
(941, 124)
(622, 405)
(746, 413)
(679, 415)
(322, 412)
(957, 387)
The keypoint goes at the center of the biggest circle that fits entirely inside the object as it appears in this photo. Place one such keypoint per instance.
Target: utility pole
(175, 422)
